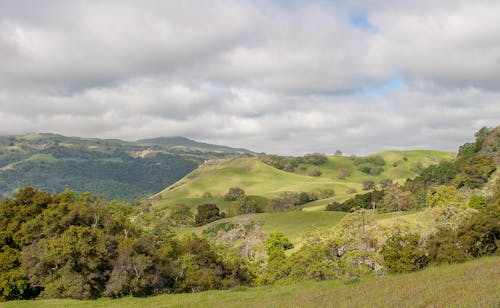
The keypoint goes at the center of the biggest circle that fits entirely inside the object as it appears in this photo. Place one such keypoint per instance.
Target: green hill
(114, 168)
(257, 178)
(471, 284)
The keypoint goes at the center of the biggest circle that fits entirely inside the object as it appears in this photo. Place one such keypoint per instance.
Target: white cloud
(292, 78)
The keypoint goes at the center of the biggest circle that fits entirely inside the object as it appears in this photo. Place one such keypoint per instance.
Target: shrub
(207, 213)
(342, 173)
(234, 193)
(368, 185)
(314, 171)
(403, 254)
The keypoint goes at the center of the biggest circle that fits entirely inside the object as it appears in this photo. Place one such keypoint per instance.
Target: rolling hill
(210, 181)
(111, 167)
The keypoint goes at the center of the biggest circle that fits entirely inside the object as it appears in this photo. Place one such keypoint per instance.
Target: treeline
(290, 164)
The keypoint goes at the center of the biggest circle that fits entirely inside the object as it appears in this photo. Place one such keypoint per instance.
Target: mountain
(111, 167)
(184, 145)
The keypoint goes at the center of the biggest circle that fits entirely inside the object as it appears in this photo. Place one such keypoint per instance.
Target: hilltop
(214, 178)
(111, 167)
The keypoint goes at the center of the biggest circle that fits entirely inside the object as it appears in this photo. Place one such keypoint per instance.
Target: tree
(277, 242)
(368, 185)
(314, 171)
(234, 193)
(338, 153)
(445, 196)
(249, 204)
(402, 253)
(207, 213)
(181, 215)
(342, 173)
(396, 199)
(385, 183)
(476, 172)
(76, 264)
(287, 200)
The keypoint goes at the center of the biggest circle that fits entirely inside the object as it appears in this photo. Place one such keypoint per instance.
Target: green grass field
(471, 284)
(257, 178)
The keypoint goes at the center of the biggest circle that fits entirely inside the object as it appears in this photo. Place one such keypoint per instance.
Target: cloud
(307, 76)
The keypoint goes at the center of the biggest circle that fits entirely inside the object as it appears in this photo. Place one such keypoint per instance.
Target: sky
(284, 77)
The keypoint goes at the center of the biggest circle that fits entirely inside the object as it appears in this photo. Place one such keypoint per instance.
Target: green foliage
(181, 215)
(368, 200)
(343, 173)
(372, 165)
(207, 213)
(396, 199)
(477, 202)
(234, 193)
(71, 246)
(72, 265)
(445, 196)
(476, 172)
(250, 204)
(402, 253)
(285, 202)
(277, 243)
(313, 171)
(290, 164)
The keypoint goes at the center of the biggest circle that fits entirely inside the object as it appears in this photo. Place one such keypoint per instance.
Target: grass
(257, 178)
(294, 224)
(471, 284)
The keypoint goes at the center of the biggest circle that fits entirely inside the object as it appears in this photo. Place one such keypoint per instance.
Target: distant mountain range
(111, 167)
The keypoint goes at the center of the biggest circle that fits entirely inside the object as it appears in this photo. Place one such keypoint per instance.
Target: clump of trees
(373, 165)
(290, 164)
(75, 246)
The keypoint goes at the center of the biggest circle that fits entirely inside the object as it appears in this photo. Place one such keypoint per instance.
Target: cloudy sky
(286, 77)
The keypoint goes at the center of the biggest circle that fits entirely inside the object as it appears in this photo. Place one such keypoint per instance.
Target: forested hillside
(113, 168)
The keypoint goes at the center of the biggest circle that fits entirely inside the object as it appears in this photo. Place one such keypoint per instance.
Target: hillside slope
(258, 178)
(114, 168)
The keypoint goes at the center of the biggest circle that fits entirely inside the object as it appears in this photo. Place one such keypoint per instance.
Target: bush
(342, 173)
(368, 185)
(234, 193)
(207, 213)
(403, 254)
(314, 171)
(250, 204)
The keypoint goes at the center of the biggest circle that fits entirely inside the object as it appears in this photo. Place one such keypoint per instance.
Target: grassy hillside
(471, 284)
(114, 168)
(298, 224)
(258, 178)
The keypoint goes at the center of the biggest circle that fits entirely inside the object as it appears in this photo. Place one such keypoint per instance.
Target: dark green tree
(207, 213)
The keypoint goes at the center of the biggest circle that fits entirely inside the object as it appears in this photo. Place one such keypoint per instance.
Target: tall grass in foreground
(472, 284)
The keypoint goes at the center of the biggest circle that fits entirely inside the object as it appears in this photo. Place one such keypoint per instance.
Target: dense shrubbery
(72, 246)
